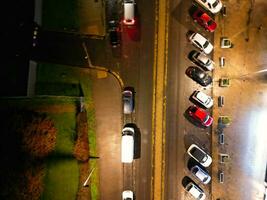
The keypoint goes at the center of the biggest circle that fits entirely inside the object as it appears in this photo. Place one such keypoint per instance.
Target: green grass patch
(66, 75)
(62, 172)
(62, 178)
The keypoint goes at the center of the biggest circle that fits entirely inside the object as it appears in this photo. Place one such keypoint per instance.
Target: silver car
(128, 101)
(201, 60)
(202, 175)
(195, 191)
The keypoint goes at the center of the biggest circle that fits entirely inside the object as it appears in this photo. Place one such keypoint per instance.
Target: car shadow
(187, 180)
(191, 163)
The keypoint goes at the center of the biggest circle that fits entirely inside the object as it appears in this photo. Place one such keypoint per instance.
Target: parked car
(128, 100)
(199, 76)
(201, 60)
(199, 155)
(214, 6)
(201, 174)
(114, 33)
(127, 144)
(195, 191)
(204, 20)
(200, 42)
(201, 98)
(199, 115)
(129, 12)
(127, 195)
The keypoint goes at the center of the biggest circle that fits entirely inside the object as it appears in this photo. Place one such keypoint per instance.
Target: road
(133, 61)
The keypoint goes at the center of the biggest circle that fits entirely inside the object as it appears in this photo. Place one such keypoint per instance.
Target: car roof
(128, 10)
(202, 57)
(202, 96)
(197, 153)
(200, 113)
(201, 174)
(200, 38)
(195, 191)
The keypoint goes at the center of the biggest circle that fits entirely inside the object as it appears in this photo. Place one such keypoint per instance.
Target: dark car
(128, 100)
(199, 75)
(114, 33)
(204, 20)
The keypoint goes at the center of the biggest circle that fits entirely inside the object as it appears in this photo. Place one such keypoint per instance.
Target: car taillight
(129, 21)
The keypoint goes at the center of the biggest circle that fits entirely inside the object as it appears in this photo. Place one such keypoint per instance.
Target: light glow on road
(257, 148)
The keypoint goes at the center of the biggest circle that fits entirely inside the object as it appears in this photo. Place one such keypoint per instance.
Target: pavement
(107, 98)
(245, 101)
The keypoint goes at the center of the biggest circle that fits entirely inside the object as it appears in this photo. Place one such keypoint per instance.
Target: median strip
(159, 100)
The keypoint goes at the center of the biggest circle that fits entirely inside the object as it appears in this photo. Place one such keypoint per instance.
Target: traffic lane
(145, 87)
(136, 70)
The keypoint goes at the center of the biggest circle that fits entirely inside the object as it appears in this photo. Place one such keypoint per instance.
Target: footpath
(245, 25)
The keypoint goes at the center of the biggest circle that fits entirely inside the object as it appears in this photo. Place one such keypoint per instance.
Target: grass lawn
(61, 179)
(59, 75)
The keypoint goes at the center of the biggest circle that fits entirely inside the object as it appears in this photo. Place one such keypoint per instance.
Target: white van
(129, 12)
(127, 144)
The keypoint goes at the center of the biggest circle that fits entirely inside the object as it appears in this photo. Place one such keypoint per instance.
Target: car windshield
(210, 22)
(207, 101)
(206, 44)
(197, 43)
(127, 133)
(215, 3)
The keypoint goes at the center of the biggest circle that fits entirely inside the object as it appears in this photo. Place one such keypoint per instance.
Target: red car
(204, 20)
(200, 115)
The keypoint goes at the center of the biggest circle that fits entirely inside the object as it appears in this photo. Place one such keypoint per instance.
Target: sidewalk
(107, 102)
(246, 25)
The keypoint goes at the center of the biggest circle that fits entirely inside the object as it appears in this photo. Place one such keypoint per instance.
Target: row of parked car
(200, 13)
(129, 20)
(197, 74)
(128, 135)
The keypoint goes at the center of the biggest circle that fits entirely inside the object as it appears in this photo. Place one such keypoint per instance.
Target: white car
(201, 60)
(202, 98)
(127, 195)
(214, 6)
(129, 12)
(202, 175)
(200, 42)
(127, 144)
(199, 155)
(195, 191)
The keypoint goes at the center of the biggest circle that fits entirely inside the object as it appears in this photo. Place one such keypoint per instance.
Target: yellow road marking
(159, 99)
